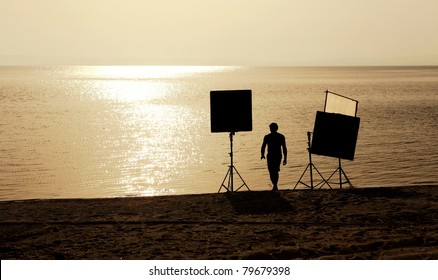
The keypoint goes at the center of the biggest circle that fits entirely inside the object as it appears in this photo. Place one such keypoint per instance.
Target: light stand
(341, 172)
(311, 166)
(230, 173)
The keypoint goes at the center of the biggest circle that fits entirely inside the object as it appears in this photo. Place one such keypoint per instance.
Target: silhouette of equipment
(311, 167)
(231, 111)
(229, 177)
(335, 135)
(341, 173)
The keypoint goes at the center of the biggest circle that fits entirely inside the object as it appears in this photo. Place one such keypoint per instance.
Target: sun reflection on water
(132, 91)
(140, 83)
(150, 72)
(150, 143)
(159, 148)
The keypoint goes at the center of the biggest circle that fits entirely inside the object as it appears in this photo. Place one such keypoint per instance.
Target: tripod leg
(231, 169)
(302, 175)
(341, 172)
(348, 180)
(244, 184)
(225, 178)
(334, 172)
(324, 181)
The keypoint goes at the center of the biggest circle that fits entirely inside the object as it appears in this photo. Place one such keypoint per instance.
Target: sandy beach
(372, 223)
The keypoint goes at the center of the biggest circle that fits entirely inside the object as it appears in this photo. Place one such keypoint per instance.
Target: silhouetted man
(276, 144)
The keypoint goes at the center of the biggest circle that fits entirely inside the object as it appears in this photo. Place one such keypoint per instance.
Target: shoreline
(302, 188)
(360, 223)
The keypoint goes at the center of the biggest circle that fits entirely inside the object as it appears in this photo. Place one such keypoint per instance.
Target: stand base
(311, 166)
(230, 186)
(341, 182)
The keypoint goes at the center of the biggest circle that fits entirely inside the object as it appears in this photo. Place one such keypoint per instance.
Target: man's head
(273, 127)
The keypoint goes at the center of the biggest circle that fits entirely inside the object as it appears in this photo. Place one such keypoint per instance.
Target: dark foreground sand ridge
(372, 223)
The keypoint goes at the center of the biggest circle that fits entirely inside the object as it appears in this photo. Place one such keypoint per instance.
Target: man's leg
(274, 168)
(274, 179)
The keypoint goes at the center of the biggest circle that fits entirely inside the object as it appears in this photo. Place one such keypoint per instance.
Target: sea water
(110, 131)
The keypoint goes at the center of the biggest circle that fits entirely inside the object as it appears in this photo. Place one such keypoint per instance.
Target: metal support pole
(230, 172)
(231, 157)
(311, 166)
(340, 174)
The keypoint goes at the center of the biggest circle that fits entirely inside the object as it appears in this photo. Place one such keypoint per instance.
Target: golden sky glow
(219, 32)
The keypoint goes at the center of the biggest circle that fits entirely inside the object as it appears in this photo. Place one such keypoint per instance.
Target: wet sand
(371, 223)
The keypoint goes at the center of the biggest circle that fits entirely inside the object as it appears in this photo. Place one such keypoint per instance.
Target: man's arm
(263, 148)
(284, 151)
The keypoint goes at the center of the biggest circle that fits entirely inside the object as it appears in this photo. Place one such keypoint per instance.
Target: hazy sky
(219, 32)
